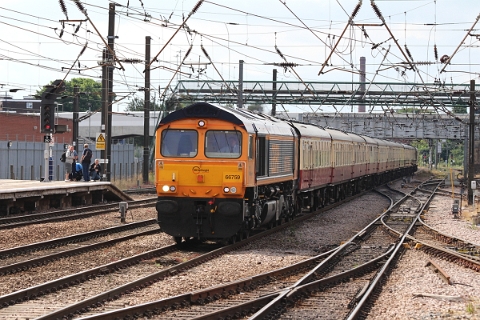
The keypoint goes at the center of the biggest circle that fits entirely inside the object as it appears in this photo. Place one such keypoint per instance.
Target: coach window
(179, 143)
(223, 144)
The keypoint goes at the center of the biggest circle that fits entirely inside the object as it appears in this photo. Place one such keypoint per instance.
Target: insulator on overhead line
(419, 63)
(64, 8)
(80, 6)
(78, 28)
(285, 64)
(279, 52)
(377, 11)
(365, 32)
(199, 3)
(188, 52)
(436, 52)
(355, 11)
(204, 52)
(133, 60)
(408, 52)
(84, 48)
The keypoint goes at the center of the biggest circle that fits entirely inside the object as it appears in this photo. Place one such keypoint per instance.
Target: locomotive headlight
(201, 123)
(165, 188)
(226, 189)
(173, 188)
(233, 190)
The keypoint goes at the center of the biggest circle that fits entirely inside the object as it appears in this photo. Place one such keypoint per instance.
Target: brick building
(26, 127)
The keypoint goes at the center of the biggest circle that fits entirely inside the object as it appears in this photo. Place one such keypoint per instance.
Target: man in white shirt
(70, 158)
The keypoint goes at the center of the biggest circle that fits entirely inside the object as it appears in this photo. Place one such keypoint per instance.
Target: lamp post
(89, 119)
(9, 145)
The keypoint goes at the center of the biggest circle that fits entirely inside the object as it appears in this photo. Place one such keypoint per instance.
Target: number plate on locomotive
(230, 176)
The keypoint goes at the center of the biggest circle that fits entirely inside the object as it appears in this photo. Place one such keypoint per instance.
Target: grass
(470, 308)
(136, 182)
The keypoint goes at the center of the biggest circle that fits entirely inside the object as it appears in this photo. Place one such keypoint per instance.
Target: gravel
(400, 296)
(398, 300)
(284, 248)
(10, 238)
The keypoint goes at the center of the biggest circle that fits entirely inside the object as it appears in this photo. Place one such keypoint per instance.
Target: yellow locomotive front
(201, 167)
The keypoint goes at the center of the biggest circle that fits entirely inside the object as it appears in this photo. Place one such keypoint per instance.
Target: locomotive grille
(280, 157)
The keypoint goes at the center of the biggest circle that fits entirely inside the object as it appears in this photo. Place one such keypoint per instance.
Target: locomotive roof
(310, 130)
(242, 117)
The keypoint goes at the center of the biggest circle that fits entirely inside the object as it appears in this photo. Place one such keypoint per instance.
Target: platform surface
(9, 185)
(17, 196)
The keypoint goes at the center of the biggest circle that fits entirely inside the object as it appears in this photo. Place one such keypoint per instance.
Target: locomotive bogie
(200, 218)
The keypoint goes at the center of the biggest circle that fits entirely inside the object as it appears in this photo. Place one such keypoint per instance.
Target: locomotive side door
(261, 157)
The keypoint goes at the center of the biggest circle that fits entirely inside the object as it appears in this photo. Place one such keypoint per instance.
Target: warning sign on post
(100, 141)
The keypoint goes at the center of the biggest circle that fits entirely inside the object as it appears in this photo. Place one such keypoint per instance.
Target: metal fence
(24, 160)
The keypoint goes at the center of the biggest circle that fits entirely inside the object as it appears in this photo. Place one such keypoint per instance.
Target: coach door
(307, 163)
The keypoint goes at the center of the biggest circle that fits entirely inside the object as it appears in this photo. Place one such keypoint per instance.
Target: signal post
(47, 123)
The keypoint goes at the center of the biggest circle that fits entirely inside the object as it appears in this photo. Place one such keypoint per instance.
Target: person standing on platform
(70, 158)
(86, 159)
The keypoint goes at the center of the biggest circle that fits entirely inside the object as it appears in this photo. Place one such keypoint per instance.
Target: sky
(218, 34)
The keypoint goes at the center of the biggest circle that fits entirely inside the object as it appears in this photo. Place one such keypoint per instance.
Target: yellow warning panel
(100, 141)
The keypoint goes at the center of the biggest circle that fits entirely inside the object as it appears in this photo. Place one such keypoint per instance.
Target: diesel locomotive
(221, 172)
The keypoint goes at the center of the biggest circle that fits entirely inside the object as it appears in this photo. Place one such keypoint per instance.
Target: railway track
(286, 294)
(25, 257)
(250, 295)
(346, 274)
(70, 213)
(56, 311)
(32, 300)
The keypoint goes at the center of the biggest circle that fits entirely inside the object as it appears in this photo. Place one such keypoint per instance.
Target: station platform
(28, 196)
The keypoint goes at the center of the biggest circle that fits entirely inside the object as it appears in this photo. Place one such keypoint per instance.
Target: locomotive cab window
(223, 144)
(179, 143)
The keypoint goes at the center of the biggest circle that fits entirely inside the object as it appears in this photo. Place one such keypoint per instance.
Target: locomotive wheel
(177, 240)
(240, 235)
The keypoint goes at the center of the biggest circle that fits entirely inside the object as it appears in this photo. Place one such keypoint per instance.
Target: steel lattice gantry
(384, 95)
(428, 111)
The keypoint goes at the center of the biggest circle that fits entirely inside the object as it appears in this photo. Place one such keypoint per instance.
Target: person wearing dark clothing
(95, 170)
(86, 159)
(76, 174)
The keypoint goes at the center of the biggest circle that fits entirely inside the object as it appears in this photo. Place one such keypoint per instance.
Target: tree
(174, 102)
(255, 107)
(138, 104)
(90, 95)
(422, 148)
